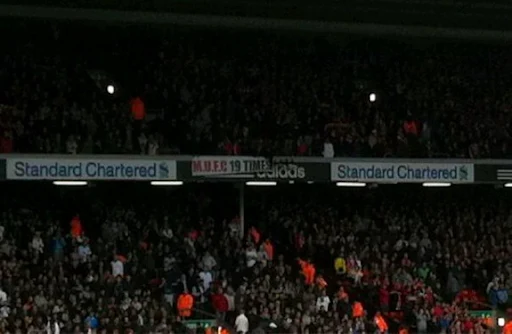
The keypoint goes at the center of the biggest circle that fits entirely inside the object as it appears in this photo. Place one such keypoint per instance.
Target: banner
(90, 169)
(392, 172)
(493, 173)
(257, 168)
(246, 168)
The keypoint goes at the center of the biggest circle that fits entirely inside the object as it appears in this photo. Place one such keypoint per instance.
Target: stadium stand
(309, 258)
(115, 258)
(221, 92)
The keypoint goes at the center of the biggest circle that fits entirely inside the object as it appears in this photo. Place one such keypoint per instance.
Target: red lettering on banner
(209, 166)
(196, 166)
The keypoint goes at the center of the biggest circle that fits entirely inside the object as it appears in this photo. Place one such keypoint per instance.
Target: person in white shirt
(37, 243)
(167, 232)
(242, 323)
(208, 262)
(207, 279)
(251, 257)
(117, 267)
(323, 302)
(328, 149)
(84, 251)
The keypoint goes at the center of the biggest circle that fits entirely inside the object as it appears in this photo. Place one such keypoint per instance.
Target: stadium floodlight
(261, 183)
(436, 184)
(166, 183)
(70, 183)
(372, 97)
(351, 184)
(110, 89)
(508, 185)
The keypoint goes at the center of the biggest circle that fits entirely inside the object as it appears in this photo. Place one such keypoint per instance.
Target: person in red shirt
(384, 298)
(76, 227)
(138, 109)
(438, 311)
(466, 295)
(468, 325)
(220, 304)
(429, 296)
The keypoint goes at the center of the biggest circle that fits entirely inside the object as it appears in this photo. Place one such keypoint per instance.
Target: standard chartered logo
(407, 172)
(90, 169)
(463, 173)
(163, 170)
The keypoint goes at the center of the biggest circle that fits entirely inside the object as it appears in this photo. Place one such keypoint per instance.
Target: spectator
(37, 243)
(328, 149)
(117, 267)
(220, 304)
(323, 302)
(408, 286)
(242, 323)
(203, 100)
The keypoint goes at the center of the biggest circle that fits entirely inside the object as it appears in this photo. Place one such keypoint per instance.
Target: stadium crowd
(178, 90)
(118, 258)
(124, 258)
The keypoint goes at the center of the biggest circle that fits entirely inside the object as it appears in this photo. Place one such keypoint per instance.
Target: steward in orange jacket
(308, 270)
(357, 310)
(185, 304)
(507, 329)
(381, 323)
(403, 330)
(214, 330)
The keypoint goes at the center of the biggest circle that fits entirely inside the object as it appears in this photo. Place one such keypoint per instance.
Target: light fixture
(501, 322)
(261, 183)
(351, 184)
(110, 89)
(372, 97)
(436, 184)
(70, 183)
(508, 185)
(166, 183)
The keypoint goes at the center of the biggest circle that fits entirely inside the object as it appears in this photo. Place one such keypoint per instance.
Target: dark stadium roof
(492, 15)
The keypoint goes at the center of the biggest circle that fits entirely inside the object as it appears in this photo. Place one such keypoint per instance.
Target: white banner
(231, 166)
(90, 169)
(392, 172)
